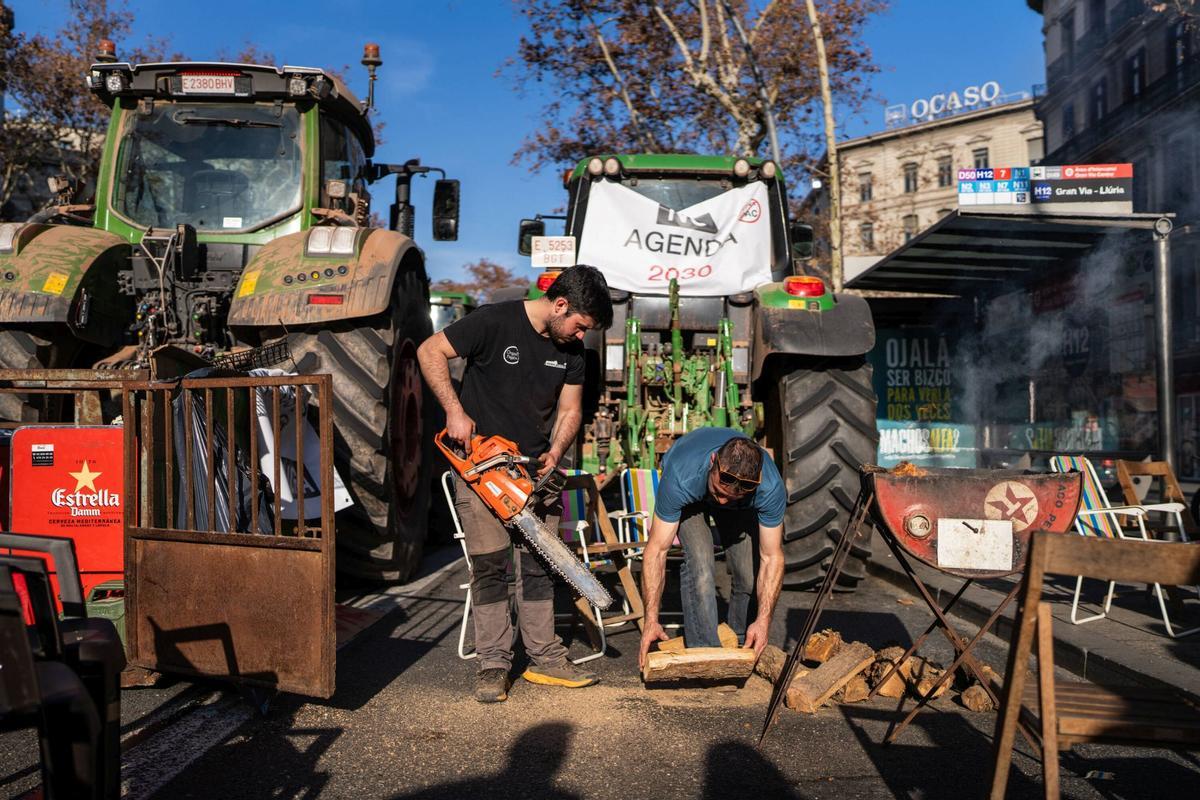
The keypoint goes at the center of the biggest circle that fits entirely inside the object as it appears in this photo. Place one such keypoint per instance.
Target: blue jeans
(698, 591)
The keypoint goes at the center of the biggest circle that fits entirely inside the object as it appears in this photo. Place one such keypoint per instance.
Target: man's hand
(548, 462)
(460, 427)
(756, 635)
(653, 633)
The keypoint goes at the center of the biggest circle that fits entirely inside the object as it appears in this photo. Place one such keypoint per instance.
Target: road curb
(1078, 650)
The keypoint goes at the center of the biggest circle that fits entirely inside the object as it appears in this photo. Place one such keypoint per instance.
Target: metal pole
(1164, 368)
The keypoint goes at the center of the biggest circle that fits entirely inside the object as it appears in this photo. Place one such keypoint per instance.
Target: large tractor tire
(381, 448)
(821, 424)
(28, 350)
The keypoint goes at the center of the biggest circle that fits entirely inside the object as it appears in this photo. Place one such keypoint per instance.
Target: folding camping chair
(1060, 713)
(1097, 517)
(583, 516)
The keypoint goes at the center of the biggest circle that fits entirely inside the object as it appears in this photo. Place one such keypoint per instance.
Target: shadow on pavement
(534, 761)
(735, 769)
(877, 629)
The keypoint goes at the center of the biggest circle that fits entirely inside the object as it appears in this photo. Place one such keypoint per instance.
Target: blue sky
(443, 102)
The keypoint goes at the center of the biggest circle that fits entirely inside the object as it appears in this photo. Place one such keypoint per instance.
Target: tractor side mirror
(529, 228)
(445, 210)
(802, 241)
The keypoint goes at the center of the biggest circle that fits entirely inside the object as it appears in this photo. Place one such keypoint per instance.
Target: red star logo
(1012, 507)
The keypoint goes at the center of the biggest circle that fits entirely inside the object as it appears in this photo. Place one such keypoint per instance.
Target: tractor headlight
(114, 82)
(95, 80)
(741, 168)
(768, 169)
(595, 167)
(297, 87)
(612, 167)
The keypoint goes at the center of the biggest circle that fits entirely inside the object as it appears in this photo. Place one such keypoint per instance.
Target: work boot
(491, 685)
(560, 673)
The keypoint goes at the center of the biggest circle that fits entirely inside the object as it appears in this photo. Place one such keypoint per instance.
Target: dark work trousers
(734, 530)
(488, 543)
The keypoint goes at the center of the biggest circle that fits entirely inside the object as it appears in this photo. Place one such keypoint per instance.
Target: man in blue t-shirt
(715, 472)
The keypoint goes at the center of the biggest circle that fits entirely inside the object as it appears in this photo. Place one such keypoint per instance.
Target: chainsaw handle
(454, 451)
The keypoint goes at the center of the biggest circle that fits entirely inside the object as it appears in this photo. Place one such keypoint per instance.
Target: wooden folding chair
(1064, 713)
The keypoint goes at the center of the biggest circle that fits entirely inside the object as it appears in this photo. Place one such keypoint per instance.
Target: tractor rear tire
(27, 350)
(381, 447)
(821, 424)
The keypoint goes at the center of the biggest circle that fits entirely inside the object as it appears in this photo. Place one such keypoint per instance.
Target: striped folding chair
(1097, 517)
(578, 530)
(638, 489)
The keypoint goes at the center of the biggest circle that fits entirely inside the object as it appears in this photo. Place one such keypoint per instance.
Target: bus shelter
(1057, 337)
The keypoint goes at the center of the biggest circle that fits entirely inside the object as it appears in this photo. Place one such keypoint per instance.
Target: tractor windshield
(678, 193)
(217, 167)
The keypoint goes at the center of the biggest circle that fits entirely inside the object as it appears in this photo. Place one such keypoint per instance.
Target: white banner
(718, 247)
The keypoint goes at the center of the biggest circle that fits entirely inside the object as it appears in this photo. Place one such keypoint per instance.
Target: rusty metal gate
(219, 584)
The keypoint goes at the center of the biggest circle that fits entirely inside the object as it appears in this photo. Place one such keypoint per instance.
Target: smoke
(1063, 365)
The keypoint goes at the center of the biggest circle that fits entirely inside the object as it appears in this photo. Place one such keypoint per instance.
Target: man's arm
(769, 581)
(434, 354)
(566, 425)
(654, 570)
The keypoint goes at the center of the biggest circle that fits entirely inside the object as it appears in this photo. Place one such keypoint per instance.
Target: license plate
(207, 84)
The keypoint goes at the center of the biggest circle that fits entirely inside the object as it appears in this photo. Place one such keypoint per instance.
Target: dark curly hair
(585, 291)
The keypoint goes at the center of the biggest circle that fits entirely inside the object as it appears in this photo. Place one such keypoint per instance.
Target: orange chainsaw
(497, 472)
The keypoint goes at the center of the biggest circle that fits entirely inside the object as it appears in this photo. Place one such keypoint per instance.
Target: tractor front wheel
(821, 426)
(381, 447)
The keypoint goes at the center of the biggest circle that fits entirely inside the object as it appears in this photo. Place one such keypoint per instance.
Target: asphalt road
(403, 725)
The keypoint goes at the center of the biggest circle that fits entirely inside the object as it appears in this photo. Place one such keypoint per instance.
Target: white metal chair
(1097, 517)
(448, 491)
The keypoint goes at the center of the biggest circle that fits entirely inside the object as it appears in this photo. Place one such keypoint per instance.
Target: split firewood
(817, 687)
(823, 646)
(923, 675)
(699, 663)
(976, 699)
(771, 662)
(895, 684)
(855, 691)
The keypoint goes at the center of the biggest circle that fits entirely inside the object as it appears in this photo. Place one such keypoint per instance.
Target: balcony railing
(1163, 90)
(1125, 11)
(1058, 69)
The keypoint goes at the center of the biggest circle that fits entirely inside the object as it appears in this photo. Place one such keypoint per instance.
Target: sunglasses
(731, 481)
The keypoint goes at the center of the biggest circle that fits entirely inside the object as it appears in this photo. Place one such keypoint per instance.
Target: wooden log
(923, 675)
(976, 699)
(770, 665)
(823, 646)
(699, 663)
(725, 633)
(855, 691)
(814, 689)
(895, 685)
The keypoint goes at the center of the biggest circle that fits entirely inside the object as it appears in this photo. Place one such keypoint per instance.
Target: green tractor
(712, 326)
(231, 211)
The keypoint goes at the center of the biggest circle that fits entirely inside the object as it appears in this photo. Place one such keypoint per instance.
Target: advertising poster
(918, 414)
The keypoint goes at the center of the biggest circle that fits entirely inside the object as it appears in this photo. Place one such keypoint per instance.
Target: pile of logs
(834, 670)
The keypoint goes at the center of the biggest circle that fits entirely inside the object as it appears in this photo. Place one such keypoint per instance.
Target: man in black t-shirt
(524, 367)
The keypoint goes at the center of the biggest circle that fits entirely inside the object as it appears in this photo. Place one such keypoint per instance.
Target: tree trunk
(835, 185)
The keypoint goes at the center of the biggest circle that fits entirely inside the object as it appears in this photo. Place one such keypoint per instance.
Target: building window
(866, 233)
(864, 186)
(945, 172)
(1135, 75)
(980, 157)
(1068, 122)
(1036, 149)
(1098, 106)
(1095, 15)
(1067, 32)
(910, 178)
(910, 226)
(1179, 45)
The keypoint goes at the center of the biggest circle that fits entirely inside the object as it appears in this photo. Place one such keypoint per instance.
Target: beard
(558, 331)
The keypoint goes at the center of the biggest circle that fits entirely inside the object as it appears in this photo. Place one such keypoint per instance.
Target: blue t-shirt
(684, 479)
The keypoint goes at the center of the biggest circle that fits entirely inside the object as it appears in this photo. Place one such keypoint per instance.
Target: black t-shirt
(514, 375)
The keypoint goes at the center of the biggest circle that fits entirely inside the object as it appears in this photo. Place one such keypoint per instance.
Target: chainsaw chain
(562, 561)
